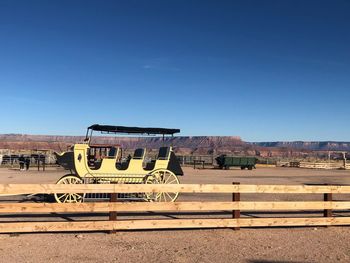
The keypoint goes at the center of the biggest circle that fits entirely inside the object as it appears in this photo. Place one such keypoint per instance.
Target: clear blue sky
(263, 70)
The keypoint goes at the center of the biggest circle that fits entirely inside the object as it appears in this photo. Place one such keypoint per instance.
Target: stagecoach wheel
(73, 197)
(162, 176)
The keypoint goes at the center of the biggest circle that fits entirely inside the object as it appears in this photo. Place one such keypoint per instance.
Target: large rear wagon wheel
(73, 197)
(162, 176)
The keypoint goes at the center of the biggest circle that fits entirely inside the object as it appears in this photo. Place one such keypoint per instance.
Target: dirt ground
(299, 244)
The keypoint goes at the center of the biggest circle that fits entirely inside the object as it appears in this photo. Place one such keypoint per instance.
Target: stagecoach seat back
(150, 165)
(112, 152)
(163, 153)
(139, 153)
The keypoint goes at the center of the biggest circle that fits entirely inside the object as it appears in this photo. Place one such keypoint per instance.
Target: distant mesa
(184, 145)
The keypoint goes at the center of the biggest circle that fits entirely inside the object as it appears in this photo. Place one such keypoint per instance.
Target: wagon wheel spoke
(163, 195)
(166, 181)
(61, 196)
(172, 181)
(171, 198)
(158, 196)
(65, 199)
(77, 197)
(174, 195)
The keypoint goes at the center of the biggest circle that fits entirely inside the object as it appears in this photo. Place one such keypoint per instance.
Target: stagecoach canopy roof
(132, 130)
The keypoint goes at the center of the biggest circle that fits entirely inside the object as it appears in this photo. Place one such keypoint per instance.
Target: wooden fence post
(327, 212)
(113, 214)
(236, 197)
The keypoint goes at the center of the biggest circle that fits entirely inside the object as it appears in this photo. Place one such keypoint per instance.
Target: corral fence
(321, 165)
(209, 160)
(195, 159)
(316, 165)
(34, 159)
(16, 211)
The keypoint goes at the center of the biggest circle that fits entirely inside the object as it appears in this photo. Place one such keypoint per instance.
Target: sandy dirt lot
(299, 244)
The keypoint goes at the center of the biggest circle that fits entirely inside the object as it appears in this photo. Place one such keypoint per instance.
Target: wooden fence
(234, 207)
(315, 165)
(320, 165)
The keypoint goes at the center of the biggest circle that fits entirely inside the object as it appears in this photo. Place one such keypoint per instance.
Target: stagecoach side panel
(108, 165)
(80, 159)
(174, 165)
(66, 160)
(77, 161)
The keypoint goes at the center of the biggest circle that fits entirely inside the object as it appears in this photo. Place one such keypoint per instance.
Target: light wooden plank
(169, 206)
(168, 224)
(6, 189)
(292, 205)
(320, 165)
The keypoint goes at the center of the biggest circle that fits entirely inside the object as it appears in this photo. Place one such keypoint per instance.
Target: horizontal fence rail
(170, 206)
(314, 165)
(167, 224)
(114, 207)
(17, 189)
(321, 165)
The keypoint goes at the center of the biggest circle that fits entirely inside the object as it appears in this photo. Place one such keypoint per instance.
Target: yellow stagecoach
(89, 165)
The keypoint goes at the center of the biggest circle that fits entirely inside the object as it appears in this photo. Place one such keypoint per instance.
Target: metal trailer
(225, 162)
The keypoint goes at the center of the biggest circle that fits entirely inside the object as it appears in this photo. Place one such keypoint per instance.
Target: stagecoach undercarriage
(156, 177)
